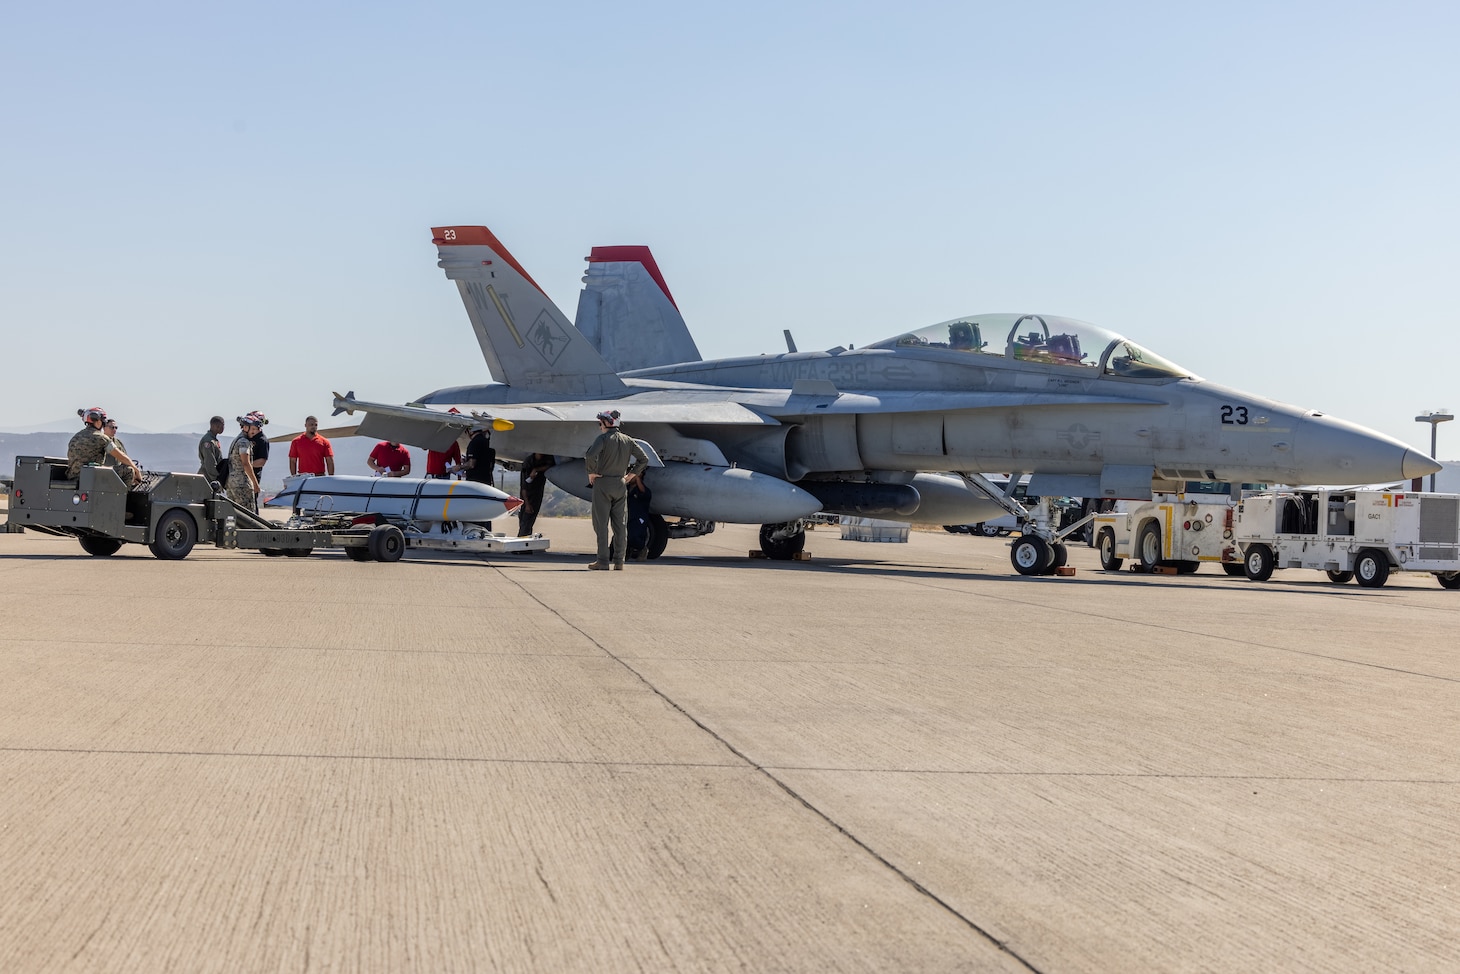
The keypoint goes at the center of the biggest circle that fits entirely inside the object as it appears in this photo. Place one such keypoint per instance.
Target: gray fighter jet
(902, 428)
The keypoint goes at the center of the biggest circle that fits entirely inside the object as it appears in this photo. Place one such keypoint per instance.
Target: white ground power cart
(1351, 534)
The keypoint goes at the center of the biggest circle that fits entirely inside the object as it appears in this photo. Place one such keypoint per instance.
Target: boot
(598, 566)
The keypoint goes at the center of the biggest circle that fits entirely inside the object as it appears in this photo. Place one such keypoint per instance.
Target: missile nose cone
(1416, 464)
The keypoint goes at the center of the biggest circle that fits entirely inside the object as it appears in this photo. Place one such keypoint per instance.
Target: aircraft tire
(1031, 556)
(1450, 580)
(387, 543)
(1149, 545)
(1258, 563)
(659, 536)
(1061, 556)
(1339, 578)
(1371, 568)
(781, 549)
(102, 547)
(358, 553)
(176, 534)
(1105, 544)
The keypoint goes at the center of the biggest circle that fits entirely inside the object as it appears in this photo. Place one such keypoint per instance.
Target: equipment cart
(1351, 534)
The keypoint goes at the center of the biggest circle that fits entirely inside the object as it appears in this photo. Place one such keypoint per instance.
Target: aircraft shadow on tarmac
(577, 562)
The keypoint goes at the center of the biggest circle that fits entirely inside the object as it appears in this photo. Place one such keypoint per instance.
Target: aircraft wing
(334, 433)
(435, 429)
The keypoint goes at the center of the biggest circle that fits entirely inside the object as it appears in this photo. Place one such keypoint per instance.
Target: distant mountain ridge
(68, 425)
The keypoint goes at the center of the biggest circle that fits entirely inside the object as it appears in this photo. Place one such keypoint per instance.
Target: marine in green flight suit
(613, 455)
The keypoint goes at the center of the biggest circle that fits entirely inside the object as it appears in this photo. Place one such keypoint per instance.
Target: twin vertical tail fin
(626, 311)
(526, 340)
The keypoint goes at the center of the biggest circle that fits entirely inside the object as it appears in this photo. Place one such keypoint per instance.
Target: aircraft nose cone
(1335, 451)
(1416, 464)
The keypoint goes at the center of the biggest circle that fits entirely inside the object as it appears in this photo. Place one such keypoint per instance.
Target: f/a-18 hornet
(901, 429)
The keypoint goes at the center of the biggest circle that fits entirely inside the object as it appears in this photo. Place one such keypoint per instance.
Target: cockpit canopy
(1042, 338)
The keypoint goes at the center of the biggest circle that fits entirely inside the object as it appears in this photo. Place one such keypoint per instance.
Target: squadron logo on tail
(547, 337)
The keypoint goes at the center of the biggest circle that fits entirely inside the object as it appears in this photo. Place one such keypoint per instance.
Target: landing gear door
(1126, 481)
(1064, 485)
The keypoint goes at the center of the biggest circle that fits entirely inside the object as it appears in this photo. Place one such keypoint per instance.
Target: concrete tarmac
(893, 757)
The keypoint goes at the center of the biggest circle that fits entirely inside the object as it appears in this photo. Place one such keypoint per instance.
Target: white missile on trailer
(401, 498)
(712, 493)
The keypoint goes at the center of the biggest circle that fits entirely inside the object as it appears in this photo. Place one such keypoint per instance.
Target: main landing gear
(1032, 555)
(1040, 548)
(783, 542)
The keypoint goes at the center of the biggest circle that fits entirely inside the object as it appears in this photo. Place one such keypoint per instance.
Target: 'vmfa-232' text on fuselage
(872, 430)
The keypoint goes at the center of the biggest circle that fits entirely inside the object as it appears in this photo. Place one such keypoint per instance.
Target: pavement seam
(787, 789)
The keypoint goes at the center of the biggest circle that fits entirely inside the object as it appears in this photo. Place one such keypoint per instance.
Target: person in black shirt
(640, 534)
(533, 481)
(480, 459)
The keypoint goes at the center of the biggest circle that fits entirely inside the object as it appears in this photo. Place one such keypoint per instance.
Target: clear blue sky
(215, 210)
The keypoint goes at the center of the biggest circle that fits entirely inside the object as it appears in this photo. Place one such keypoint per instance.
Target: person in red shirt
(441, 465)
(311, 453)
(390, 459)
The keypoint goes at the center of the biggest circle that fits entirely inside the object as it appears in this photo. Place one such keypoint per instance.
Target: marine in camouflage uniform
(124, 472)
(240, 462)
(611, 456)
(90, 445)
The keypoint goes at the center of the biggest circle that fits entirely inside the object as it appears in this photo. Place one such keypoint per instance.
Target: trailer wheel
(358, 553)
(1106, 546)
(101, 547)
(1340, 578)
(1258, 563)
(1448, 579)
(1149, 546)
(176, 534)
(1031, 556)
(1371, 568)
(387, 542)
(298, 552)
(989, 530)
(1187, 567)
(1233, 568)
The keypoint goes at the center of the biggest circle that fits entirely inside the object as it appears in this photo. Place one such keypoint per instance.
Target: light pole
(1434, 417)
